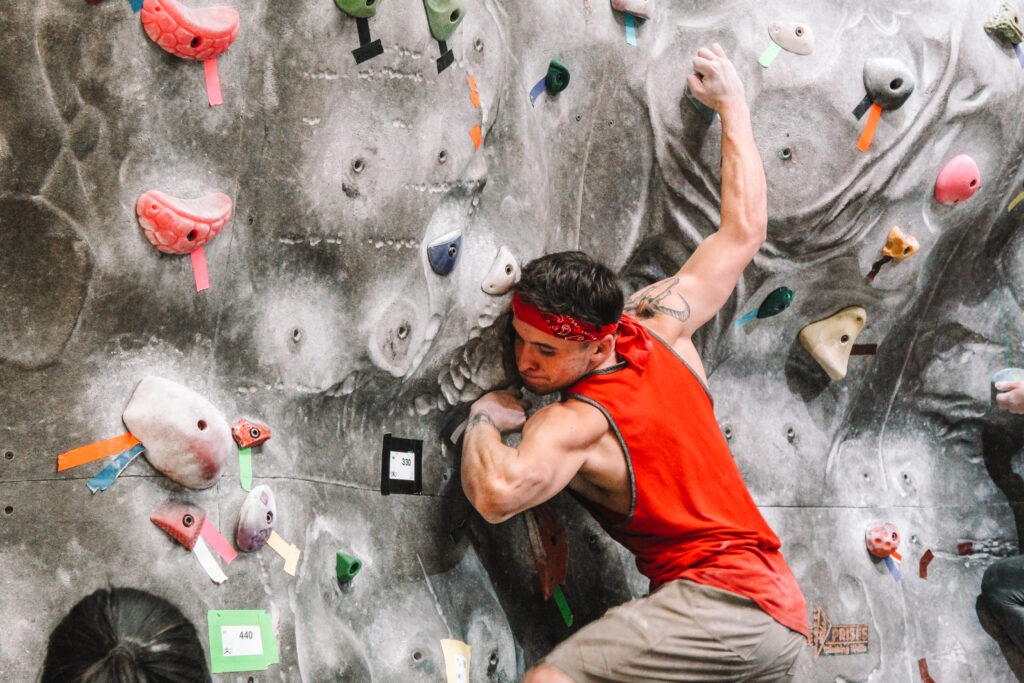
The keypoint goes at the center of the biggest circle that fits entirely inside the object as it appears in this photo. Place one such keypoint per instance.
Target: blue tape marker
(746, 318)
(1020, 54)
(136, 5)
(106, 477)
(538, 89)
(630, 29)
(893, 569)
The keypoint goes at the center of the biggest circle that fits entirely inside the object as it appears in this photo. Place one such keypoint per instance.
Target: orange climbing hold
(202, 33)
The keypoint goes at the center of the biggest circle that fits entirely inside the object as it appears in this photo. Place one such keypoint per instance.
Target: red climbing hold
(201, 33)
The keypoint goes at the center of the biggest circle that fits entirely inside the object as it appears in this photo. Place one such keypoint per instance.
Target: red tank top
(691, 516)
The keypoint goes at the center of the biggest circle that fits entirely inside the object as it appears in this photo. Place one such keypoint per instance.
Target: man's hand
(1012, 398)
(715, 81)
(505, 410)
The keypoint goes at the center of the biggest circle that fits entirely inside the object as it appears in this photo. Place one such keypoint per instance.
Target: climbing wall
(326, 252)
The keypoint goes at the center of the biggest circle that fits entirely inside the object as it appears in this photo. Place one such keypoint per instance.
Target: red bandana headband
(562, 326)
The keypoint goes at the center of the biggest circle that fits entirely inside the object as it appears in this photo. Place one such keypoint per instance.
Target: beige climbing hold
(638, 8)
(792, 36)
(830, 341)
(503, 274)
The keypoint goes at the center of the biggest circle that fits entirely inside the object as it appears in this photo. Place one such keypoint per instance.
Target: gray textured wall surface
(325, 321)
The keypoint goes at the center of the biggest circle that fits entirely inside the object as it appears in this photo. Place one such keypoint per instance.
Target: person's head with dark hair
(124, 635)
(566, 312)
(572, 283)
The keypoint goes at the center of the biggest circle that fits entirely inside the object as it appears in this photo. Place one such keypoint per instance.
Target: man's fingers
(717, 49)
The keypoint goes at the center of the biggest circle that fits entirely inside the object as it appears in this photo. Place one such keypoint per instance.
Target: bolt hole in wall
(9, 510)
(201, 425)
(417, 656)
(358, 165)
(9, 455)
(786, 153)
(442, 157)
(478, 44)
(896, 83)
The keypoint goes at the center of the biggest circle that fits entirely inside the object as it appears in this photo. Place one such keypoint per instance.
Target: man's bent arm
(677, 306)
(501, 481)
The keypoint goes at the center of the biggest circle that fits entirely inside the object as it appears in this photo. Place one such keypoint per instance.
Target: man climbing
(1002, 585)
(636, 441)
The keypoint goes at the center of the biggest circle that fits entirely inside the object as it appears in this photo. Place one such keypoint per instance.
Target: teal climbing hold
(557, 79)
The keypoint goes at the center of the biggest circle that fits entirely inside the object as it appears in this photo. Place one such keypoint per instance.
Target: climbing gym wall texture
(301, 220)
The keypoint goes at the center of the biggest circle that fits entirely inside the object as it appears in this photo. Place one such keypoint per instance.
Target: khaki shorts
(683, 632)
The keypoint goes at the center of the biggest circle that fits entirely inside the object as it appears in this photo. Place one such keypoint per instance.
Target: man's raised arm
(677, 306)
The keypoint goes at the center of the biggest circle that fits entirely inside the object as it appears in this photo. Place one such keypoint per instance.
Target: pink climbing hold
(180, 226)
(958, 180)
(201, 33)
(882, 539)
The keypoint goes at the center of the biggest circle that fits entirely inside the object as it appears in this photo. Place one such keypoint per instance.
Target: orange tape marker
(95, 451)
(874, 115)
(474, 95)
(477, 136)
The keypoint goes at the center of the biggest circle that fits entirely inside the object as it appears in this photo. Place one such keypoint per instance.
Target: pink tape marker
(199, 269)
(213, 93)
(217, 541)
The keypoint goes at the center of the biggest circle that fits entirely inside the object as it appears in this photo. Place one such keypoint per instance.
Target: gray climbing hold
(889, 82)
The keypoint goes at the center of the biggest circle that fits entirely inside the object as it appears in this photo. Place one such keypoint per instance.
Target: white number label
(402, 466)
(241, 641)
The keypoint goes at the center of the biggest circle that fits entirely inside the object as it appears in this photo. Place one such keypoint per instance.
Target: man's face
(547, 363)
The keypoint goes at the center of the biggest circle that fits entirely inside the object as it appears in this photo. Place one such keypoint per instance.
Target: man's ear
(603, 347)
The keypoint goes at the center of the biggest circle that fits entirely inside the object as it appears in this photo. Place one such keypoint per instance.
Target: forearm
(485, 464)
(744, 190)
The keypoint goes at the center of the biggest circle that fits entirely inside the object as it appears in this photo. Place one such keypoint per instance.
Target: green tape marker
(347, 567)
(245, 467)
(563, 606)
(769, 55)
(241, 640)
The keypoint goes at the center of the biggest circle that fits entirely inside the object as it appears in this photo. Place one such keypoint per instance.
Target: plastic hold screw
(443, 252)
(889, 82)
(882, 539)
(181, 521)
(792, 36)
(958, 180)
(256, 519)
(830, 341)
(346, 567)
(1005, 26)
(899, 245)
(503, 274)
(638, 8)
(202, 33)
(360, 9)
(557, 79)
(444, 16)
(180, 226)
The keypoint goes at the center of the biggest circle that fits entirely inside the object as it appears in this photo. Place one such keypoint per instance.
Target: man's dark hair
(124, 635)
(571, 282)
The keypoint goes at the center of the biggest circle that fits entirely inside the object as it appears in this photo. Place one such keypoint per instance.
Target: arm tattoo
(650, 301)
(480, 418)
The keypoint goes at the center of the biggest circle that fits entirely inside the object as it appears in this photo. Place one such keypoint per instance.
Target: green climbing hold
(360, 9)
(1005, 26)
(557, 79)
(776, 302)
(444, 16)
(347, 567)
